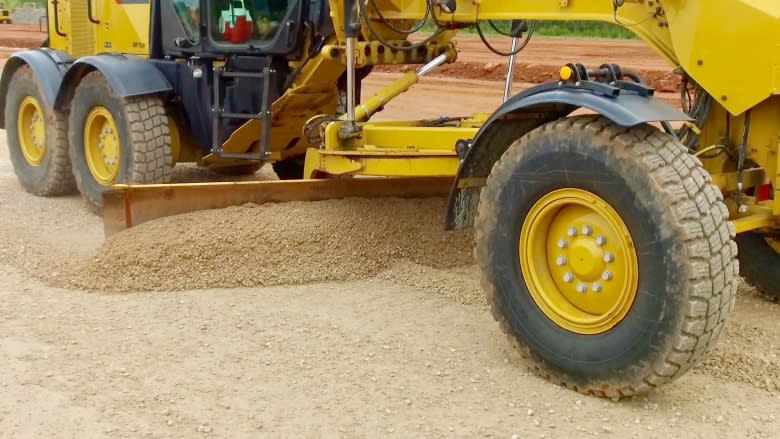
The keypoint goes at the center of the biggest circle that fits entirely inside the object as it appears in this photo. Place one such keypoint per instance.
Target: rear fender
(48, 66)
(128, 76)
(528, 111)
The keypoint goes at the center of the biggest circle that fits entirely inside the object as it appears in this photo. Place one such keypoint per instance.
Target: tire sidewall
(550, 162)
(32, 178)
(90, 94)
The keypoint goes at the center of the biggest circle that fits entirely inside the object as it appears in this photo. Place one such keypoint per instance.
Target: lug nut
(581, 288)
(561, 261)
(572, 232)
(596, 287)
(601, 241)
(608, 257)
(586, 230)
(607, 276)
(568, 278)
(562, 243)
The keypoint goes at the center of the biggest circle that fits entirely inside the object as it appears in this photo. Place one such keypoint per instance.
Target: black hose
(315, 50)
(409, 48)
(520, 48)
(428, 9)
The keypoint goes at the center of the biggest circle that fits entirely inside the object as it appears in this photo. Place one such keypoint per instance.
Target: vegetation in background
(10, 4)
(570, 29)
(583, 30)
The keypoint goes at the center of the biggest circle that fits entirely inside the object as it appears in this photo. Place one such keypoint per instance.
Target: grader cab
(607, 242)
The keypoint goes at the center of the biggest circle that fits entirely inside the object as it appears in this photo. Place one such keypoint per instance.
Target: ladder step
(239, 156)
(246, 116)
(225, 74)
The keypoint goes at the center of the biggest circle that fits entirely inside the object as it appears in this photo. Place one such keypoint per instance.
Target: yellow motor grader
(607, 242)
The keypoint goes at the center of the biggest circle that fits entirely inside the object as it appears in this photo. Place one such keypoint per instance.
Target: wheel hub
(579, 262)
(102, 146)
(31, 128)
(586, 260)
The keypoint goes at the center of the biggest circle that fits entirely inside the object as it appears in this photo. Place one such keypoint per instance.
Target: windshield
(247, 21)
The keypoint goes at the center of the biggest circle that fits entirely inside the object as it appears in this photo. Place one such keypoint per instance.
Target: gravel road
(401, 346)
(409, 351)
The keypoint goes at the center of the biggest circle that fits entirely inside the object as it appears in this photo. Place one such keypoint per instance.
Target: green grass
(569, 29)
(10, 4)
(583, 30)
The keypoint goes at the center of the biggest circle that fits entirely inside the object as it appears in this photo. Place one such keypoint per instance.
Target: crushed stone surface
(362, 319)
(276, 244)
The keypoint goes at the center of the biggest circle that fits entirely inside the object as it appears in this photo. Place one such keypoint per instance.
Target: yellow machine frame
(738, 69)
(740, 72)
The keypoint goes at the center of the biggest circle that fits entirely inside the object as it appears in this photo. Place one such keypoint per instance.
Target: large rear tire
(759, 262)
(606, 255)
(37, 138)
(115, 140)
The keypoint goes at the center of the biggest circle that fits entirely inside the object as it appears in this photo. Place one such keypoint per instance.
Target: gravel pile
(276, 244)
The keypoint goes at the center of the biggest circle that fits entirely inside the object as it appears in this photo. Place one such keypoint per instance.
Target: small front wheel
(606, 255)
(37, 138)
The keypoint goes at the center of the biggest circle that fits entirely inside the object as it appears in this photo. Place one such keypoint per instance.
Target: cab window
(247, 21)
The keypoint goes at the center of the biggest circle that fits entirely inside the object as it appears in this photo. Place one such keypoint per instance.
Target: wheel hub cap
(579, 262)
(586, 259)
(31, 128)
(102, 146)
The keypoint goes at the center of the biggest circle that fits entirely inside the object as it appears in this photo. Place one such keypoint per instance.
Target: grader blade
(126, 206)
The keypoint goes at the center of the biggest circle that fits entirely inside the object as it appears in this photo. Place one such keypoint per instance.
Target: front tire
(759, 262)
(37, 138)
(115, 140)
(606, 255)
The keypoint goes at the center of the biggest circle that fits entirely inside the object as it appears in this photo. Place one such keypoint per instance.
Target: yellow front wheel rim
(31, 127)
(101, 146)
(579, 261)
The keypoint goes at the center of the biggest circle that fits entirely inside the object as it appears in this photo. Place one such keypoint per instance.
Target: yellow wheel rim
(101, 146)
(31, 126)
(774, 243)
(579, 261)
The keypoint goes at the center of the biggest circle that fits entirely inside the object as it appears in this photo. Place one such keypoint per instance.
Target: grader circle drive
(607, 243)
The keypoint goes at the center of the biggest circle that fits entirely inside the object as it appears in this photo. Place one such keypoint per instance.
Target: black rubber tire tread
(53, 177)
(759, 264)
(689, 201)
(146, 143)
(238, 171)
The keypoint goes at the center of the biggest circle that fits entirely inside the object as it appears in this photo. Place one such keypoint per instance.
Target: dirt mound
(457, 284)
(21, 36)
(279, 244)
